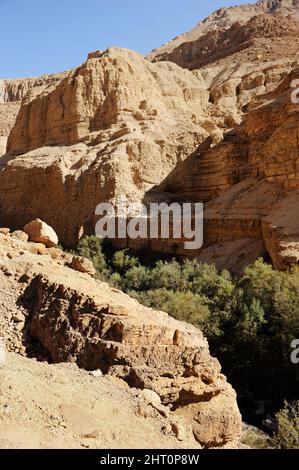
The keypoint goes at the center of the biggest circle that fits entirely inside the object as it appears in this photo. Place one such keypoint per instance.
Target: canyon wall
(16, 89)
(122, 125)
(12, 93)
(116, 125)
(119, 125)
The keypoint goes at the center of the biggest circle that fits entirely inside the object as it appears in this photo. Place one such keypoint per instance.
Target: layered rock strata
(75, 318)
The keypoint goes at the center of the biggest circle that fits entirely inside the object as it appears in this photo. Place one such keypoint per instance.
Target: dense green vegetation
(249, 321)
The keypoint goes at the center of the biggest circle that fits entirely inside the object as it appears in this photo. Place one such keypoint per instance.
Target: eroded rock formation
(121, 125)
(254, 32)
(116, 125)
(78, 319)
(250, 179)
(15, 90)
(12, 93)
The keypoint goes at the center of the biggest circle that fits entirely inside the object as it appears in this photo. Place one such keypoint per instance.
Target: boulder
(82, 265)
(39, 232)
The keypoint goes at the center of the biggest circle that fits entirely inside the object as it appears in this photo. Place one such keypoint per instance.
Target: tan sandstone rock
(247, 32)
(120, 125)
(83, 265)
(76, 318)
(136, 344)
(115, 126)
(19, 234)
(39, 232)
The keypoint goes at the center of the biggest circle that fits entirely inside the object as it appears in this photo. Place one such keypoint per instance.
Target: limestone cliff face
(264, 146)
(122, 125)
(114, 88)
(12, 93)
(119, 125)
(16, 90)
(263, 38)
(116, 125)
(249, 179)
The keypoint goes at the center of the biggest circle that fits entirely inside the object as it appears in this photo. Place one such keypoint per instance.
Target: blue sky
(45, 36)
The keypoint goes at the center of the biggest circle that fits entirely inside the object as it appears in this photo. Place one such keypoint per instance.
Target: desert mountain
(116, 125)
(233, 29)
(263, 38)
(206, 118)
(121, 124)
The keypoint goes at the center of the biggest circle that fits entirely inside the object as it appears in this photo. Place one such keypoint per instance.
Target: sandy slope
(61, 406)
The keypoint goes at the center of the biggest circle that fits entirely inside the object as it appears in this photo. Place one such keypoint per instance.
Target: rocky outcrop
(121, 125)
(236, 29)
(146, 349)
(75, 318)
(12, 93)
(113, 88)
(116, 125)
(248, 178)
(15, 90)
(264, 146)
(263, 38)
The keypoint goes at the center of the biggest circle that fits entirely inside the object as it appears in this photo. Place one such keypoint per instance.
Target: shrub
(115, 280)
(137, 278)
(205, 280)
(264, 319)
(287, 435)
(166, 275)
(122, 261)
(184, 306)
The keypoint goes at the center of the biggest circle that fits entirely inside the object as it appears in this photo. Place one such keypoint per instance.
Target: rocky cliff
(12, 93)
(16, 90)
(263, 38)
(246, 32)
(122, 125)
(116, 125)
(250, 179)
(66, 316)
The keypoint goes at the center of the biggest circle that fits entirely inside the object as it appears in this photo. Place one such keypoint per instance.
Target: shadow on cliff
(6, 158)
(174, 188)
